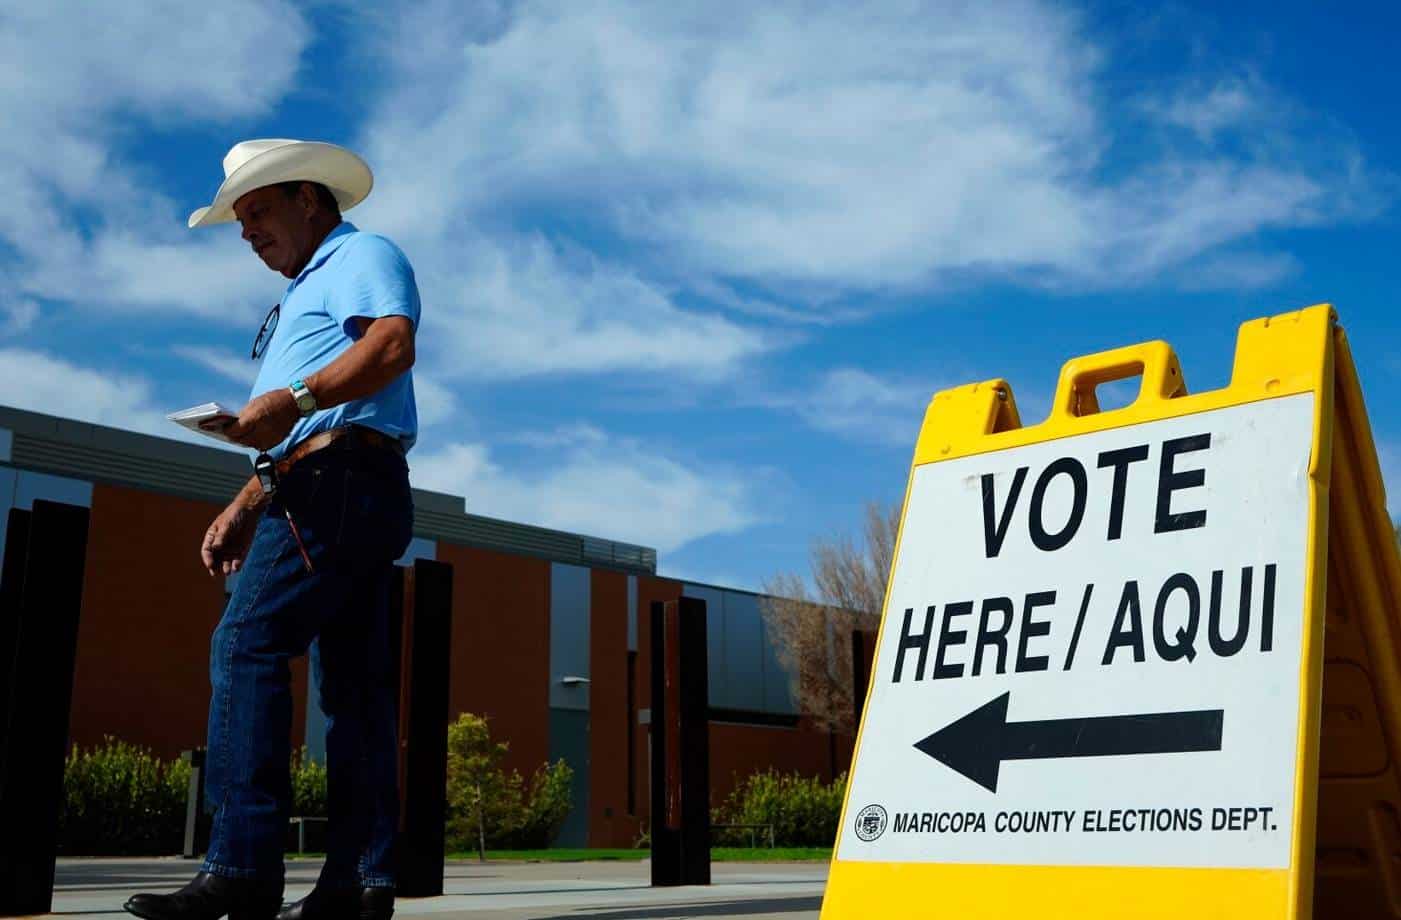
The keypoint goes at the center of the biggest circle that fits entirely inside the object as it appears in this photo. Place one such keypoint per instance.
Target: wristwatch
(306, 403)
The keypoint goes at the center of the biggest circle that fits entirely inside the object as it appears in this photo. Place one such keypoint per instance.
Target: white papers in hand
(208, 419)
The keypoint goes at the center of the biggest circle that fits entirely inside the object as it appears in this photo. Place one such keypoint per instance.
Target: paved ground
(96, 888)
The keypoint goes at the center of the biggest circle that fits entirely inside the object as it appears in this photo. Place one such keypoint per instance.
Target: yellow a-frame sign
(1115, 643)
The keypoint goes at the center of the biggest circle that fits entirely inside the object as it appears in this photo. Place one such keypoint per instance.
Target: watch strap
(306, 401)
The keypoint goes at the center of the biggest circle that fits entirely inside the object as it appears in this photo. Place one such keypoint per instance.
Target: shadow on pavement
(712, 909)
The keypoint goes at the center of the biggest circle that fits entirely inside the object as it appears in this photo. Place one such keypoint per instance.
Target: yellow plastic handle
(1153, 361)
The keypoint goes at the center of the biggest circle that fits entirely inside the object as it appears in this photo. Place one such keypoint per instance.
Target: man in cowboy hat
(315, 542)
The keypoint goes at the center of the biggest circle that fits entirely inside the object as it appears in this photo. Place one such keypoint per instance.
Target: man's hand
(265, 421)
(227, 540)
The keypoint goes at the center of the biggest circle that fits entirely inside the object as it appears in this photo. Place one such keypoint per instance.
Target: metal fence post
(680, 733)
(423, 726)
(34, 706)
(194, 804)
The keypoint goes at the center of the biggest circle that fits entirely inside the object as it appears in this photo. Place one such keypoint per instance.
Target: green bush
(308, 786)
(488, 805)
(120, 799)
(804, 811)
(547, 804)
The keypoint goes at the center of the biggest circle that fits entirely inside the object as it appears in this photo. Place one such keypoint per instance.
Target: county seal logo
(870, 823)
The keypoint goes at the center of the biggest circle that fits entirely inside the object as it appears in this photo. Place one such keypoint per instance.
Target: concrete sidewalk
(96, 888)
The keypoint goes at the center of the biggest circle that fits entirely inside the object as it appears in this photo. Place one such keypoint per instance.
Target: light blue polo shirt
(352, 274)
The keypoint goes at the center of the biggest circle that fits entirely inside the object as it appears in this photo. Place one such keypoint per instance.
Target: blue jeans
(355, 513)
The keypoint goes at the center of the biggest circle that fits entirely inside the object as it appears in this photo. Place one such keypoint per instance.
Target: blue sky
(691, 271)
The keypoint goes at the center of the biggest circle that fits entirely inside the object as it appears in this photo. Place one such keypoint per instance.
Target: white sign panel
(1091, 653)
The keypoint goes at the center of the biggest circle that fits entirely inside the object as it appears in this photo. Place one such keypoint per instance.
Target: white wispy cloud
(41, 382)
(614, 487)
(570, 435)
(166, 268)
(1239, 270)
(1226, 104)
(227, 364)
(505, 308)
(84, 219)
(17, 314)
(858, 405)
(806, 147)
(436, 402)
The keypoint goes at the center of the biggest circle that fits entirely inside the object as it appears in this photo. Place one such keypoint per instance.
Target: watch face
(306, 401)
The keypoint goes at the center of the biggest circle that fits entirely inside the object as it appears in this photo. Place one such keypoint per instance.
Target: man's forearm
(384, 352)
(251, 496)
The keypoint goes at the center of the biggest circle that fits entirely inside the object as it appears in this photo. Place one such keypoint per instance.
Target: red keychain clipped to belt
(266, 469)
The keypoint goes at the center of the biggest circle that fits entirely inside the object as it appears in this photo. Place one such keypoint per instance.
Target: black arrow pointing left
(976, 744)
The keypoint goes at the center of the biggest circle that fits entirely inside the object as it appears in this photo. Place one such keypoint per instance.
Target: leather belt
(358, 434)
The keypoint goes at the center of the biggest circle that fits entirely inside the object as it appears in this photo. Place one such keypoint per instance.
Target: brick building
(547, 640)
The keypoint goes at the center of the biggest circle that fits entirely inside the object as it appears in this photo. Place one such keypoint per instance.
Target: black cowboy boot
(210, 897)
(342, 904)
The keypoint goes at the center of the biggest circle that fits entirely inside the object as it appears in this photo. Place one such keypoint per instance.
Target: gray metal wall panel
(722, 695)
(744, 652)
(778, 689)
(744, 669)
(315, 720)
(569, 635)
(632, 613)
(8, 478)
(569, 741)
(217, 483)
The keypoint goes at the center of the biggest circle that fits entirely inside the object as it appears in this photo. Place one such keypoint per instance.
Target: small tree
(491, 807)
(476, 783)
(812, 633)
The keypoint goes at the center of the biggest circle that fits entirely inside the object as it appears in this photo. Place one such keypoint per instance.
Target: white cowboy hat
(251, 165)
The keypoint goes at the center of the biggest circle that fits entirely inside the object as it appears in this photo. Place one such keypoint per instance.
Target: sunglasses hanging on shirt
(260, 344)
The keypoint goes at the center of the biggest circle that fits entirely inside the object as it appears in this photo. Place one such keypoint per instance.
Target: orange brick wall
(501, 648)
(149, 609)
(739, 750)
(610, 825)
